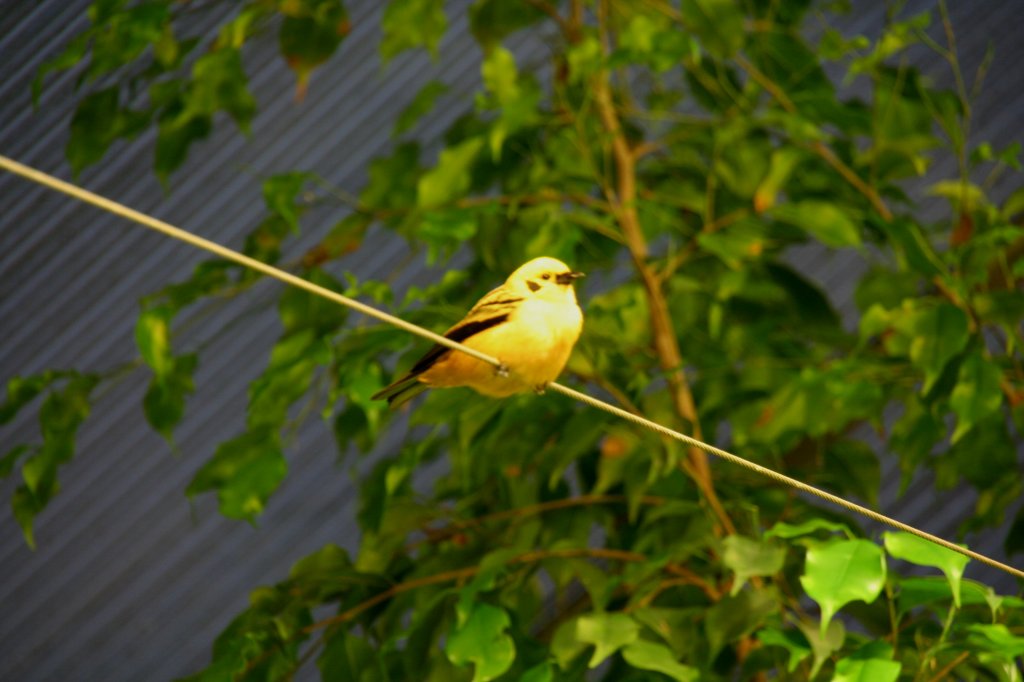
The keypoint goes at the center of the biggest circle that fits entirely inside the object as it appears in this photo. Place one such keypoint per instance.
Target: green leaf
(977, 393)
(741, 241)
(482, 641)
(542, 672)
(734, 617)
(995, 638)
(841, 572)
(718, 24)
(491, 21)
(11, 458)
(823, 642)
(420, 106)
(1014, 204)
(293, 361)
(164, 402)
(347, 657)
(912, 247)
(939, 333)
(783, 161)
(748, 557)
(409, 24)
(919, 551)
(60, 416)
(26, 507)
(445, 231)
(871, 663)
(218, 84)
(646, 655)
(244, 471)
(823, 220)
(23, 390)
(792, 641)
(517, 101)
(310, 34)
(1014, 541)
(281, 193)
(788, 530)
(962, 196)
(450, 179)
(91, 129)
(303, 310)
(152, 337)
(608, 632)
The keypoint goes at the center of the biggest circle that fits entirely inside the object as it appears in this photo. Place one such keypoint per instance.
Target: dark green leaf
(420, 106)
(287, 378)
(62, 412)
(734, 617)
(310, 34)
(409, 24)
(718, 24)
(282, 194)
(492, 20)
(347, 657)
(977, 394)
(23, 390)
(939, 333)
(912, 247)
(91, 133)
(164, 402)
(748, 557)
(244, 471)
(793, 641)
(1014, 542)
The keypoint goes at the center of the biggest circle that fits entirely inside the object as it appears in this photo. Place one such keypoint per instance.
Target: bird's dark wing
(460, 332)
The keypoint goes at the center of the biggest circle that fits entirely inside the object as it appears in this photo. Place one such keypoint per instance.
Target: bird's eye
(545, 276)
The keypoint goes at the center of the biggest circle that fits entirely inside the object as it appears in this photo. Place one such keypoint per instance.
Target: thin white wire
(228, 254)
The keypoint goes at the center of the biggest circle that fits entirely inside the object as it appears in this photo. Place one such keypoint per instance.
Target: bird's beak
(568, 277)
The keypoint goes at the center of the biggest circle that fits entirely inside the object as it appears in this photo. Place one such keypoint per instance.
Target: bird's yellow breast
(534, 343)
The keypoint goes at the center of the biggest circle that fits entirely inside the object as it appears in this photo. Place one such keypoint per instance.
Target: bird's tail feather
(401, 392)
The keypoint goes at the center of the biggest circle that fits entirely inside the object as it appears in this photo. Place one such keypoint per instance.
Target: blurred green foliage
(698, 141)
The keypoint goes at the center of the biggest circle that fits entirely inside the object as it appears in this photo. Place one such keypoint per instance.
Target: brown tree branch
(623, 200)
(455, 527)
(469, 572)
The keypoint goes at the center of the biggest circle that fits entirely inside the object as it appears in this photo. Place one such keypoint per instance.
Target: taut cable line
(114, 207)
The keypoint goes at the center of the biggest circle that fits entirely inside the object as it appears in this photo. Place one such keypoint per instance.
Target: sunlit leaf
(482, 641)
(919, 551)
(841, 572)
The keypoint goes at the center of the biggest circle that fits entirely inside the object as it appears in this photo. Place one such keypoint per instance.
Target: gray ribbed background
(129, 582)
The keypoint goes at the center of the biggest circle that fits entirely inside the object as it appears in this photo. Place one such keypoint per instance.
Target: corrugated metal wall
(129, 582)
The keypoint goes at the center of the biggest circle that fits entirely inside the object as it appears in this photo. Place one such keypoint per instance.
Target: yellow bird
(530, 323)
